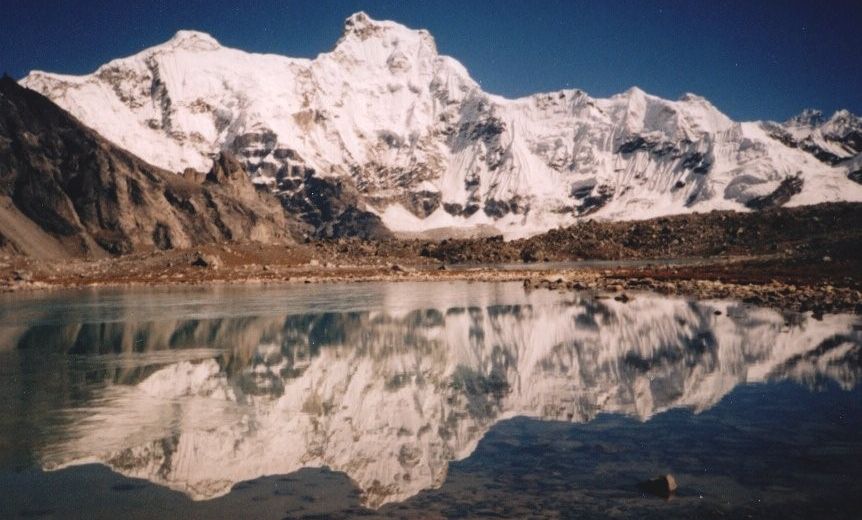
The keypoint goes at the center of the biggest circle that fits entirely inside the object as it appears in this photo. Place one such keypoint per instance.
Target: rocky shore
(800, 259)
(819, 300)
(750, 281)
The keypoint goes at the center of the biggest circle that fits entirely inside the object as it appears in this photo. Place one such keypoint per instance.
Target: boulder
(207, 261)
(22, 276)
(530, 254)
(663, 486)
(396, 268)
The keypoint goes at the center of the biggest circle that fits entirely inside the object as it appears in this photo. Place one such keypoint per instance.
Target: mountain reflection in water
(387, 383)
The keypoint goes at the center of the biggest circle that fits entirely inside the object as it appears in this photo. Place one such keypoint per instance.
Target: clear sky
(755, 59)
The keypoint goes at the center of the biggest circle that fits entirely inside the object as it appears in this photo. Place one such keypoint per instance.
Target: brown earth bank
(804, 259)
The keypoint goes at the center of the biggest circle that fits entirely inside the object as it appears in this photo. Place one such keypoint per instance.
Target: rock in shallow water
(663, 486)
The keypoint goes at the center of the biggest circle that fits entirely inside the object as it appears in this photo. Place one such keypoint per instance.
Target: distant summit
(416, 142)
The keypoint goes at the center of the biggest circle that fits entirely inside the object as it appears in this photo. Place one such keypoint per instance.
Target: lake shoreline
(803, 259)
(776, 282)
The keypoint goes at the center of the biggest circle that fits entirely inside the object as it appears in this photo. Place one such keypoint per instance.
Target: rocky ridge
(66, 191)
(420, 146)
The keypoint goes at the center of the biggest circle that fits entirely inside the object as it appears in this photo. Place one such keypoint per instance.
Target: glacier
(430, 152)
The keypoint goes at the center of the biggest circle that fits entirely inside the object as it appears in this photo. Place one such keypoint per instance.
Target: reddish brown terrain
(77, 211)
(801, 259)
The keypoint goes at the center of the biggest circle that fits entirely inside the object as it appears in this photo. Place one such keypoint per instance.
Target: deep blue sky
(754, 59)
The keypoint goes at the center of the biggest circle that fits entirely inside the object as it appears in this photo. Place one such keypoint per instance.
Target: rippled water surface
(425, 400)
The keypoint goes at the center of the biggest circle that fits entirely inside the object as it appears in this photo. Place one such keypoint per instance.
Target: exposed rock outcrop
(789, 187)
(431, 153)
(333, 208)
(65, 190)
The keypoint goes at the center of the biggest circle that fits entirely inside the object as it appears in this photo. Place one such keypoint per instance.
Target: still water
(422, 400)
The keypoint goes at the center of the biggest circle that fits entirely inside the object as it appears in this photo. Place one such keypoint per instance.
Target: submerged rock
(663, 486)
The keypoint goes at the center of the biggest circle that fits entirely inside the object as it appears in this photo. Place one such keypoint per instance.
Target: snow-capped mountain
(389, 393)
(427, 148)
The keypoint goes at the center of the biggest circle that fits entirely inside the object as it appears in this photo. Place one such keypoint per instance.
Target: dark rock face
(780, 134)
(78, 194)
(261, 156)
(255, 144)
(595, 201)
(697, 162)
(656, 148)
(819, 153)
(635, 144)
(423, 203)
(501, 208)
(782, 194)
(851, 141)
(684, 154)
(453, 208)
(332, 208)
(355, 222)
(843, 130)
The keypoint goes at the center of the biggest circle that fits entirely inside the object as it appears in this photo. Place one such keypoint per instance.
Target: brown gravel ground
(804, 259)
(791, 284)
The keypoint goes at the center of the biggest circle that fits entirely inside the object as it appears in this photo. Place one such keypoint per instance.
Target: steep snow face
(429, 149)
(832, 140)
(392, 394)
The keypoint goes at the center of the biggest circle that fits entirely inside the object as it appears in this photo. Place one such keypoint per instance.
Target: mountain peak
(843, 115)
(426, 146)
(808, 117)
(844, 123)
(384, 42)
(361, 25)
(357, 20)
(692, 98)
(193, 40)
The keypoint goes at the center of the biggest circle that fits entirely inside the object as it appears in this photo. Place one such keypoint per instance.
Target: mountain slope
(64, 190)
(426, 148)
